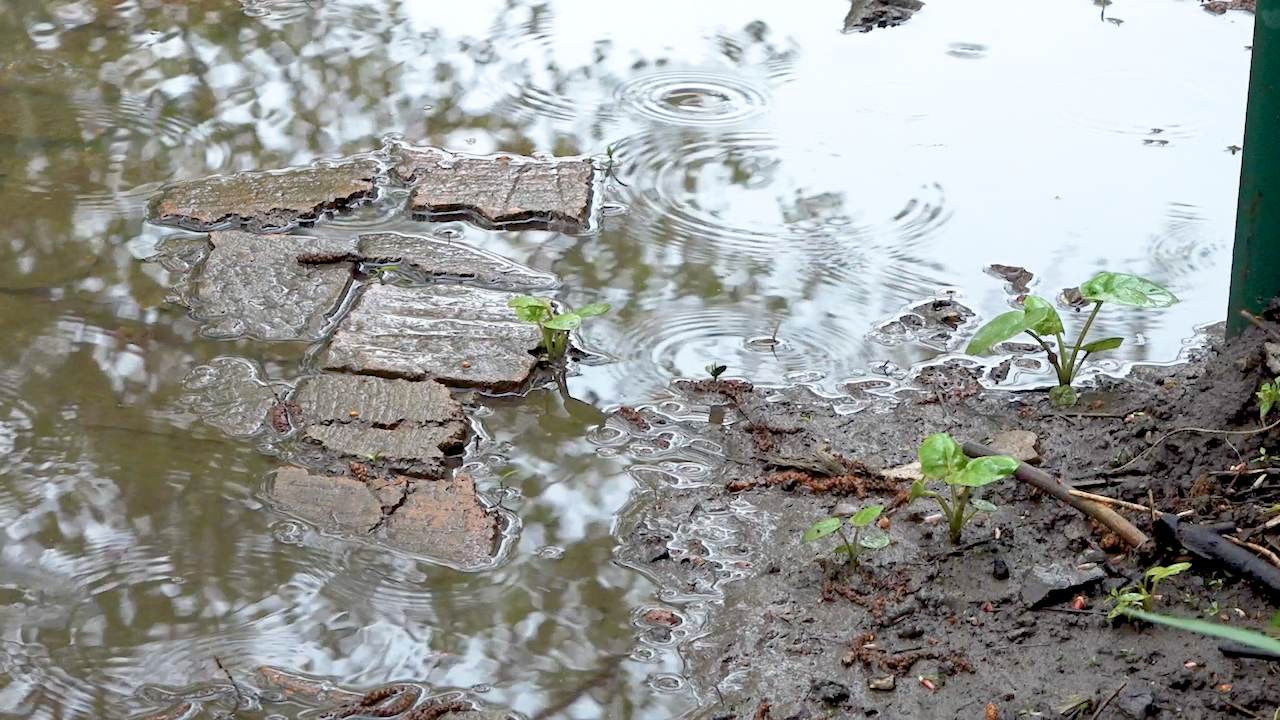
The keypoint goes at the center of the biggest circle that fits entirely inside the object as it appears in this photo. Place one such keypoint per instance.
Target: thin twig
(1261, 324)
(1171, 433)
(1110, 501)
(1242, 710)
(1107, 702)
(1275, 559)
(234, 685)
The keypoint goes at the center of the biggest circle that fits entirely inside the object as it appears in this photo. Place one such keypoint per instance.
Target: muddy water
(788, 189)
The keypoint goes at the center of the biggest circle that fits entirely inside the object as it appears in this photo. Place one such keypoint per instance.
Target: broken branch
(1051, 485)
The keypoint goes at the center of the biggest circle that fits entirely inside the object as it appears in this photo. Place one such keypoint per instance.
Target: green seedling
(1268, 395)
(609, 170)
(859, 520)
(942, 459)
(716, 370)
(1040, 320)
(1143, 595)
(555, 326)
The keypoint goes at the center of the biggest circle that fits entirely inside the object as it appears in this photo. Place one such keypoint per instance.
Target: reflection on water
(789, 190)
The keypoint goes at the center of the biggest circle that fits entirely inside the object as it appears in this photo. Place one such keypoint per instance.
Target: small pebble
(999, 569)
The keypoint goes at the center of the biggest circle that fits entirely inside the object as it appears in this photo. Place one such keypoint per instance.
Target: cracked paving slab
(501, 191)
(268, 201)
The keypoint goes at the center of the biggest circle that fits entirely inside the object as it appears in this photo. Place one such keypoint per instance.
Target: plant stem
(957, 515)
(1071, 367)
(853, 556)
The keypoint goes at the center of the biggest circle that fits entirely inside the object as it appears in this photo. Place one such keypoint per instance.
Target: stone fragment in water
(409, 425)
(866, 15)
(453, 259)
(500, 191)
(326, 501)
(228, 393)
(253, 285)
(267, 201)
(444, 520)
(458, 335)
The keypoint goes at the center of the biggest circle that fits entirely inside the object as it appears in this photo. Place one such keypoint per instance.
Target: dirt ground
(961, 631)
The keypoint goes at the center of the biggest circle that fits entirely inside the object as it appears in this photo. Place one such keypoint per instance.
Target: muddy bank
(925, 629)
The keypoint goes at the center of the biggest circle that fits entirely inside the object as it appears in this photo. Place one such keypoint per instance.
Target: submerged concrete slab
(408, 425)
(254, 285)
(444, 519)
(501, 191)
(451, 259)
(333, 503)
(458, 335)
(267, 201)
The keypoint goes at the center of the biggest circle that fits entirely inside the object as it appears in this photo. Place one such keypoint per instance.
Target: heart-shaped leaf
(875, 542)
(1104, 344)
(532, 313)
(1042, 316)
(594, 309)
(1126, 289)
(1001, 328)
(566, 321)
(866, 515)
(821, 529)
(984, 471)
(940, 456)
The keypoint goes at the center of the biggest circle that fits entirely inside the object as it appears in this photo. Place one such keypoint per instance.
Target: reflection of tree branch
(606, 675)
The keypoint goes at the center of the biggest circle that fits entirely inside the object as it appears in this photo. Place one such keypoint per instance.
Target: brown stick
(1047, 483)
(1110, 501)
(1275, 559)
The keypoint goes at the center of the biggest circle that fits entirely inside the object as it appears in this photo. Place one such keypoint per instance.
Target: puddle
(793, 194)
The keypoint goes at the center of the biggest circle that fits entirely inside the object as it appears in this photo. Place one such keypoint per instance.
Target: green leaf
(875, 542)
(1001, 328)
(1042, 317)
(532, 313)
(1157, 573)
(984, 471)
(866, 515)
(1125, 289)
(529, 301)
(1103, 344)
(1268, 394)
(594, 309)
(983, 505)
(821, 529)
(567, 321)
(917, 490)
(1063, 396)
(940, 456)
(1204, 627)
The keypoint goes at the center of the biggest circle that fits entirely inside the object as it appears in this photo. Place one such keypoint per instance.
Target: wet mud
(1011, 622)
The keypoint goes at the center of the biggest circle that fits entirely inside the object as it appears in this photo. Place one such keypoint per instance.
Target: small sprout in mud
(609, 169)
(1143, 595)
(942, 459)
(859, 520)
(715, 370)
(1268, 395)
(1039, 319)
(555, 326)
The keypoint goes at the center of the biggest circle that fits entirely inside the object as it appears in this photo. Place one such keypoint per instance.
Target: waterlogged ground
(789, 189)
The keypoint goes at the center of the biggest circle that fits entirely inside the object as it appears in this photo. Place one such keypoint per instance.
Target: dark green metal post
(1255, 267)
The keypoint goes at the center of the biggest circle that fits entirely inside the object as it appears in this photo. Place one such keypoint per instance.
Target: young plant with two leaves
(859, 520)
(555, 326)
(942, 459)
(1040, 320)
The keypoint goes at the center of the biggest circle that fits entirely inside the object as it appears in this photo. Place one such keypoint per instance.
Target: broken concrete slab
(335, 503)
(439, 257)
(411, 426)
(228, 393)
(444, 520)
(458, 335)
(500, 191)
(254, 285)
(267, 201)
(866, 15)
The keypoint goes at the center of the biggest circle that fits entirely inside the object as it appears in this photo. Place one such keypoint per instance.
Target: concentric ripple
(687, 97)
